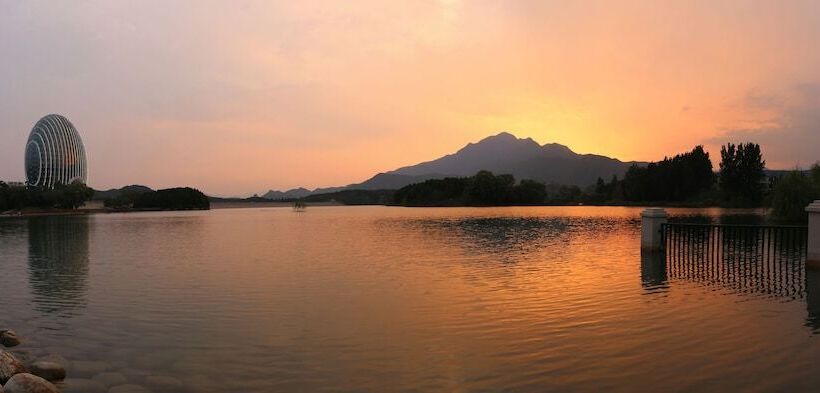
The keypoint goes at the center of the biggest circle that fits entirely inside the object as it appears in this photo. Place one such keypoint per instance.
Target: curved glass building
(55, 153)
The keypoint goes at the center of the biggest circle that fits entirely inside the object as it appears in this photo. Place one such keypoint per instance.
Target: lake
(523, 299)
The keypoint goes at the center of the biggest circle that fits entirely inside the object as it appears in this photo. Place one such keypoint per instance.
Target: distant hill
(289, 194)
(524, 159)
(501, 154)
(116, 192)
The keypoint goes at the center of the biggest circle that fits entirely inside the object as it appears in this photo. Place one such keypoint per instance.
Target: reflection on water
(763, 262)
(653, 270)
(766, 261)
(813, 299)
(58, 263)
(392, 299)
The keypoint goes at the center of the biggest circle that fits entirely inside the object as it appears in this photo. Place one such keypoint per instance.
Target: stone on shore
(82, 385)
(85, 368)
(54, 359)
(9, 366)
(50, 371)
(129, 388)
(110, 379)
(9, 338)
(28, 383)
(163, 383)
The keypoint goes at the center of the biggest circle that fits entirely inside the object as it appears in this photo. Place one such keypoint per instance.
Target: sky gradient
(238, 97)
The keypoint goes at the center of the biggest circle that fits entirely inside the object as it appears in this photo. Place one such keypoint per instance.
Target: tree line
(684, 179)
(62, 196)
(483, 189)
(180, 198)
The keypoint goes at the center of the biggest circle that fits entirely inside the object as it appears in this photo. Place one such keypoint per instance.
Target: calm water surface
(395, 299)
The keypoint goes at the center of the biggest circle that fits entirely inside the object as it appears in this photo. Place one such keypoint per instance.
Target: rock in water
(9, 338)
(163, 383)
(74, 385)
(49, 371)
(110, 379)
(9, 366)
(55, 359)
(28, 383)
(130, 388)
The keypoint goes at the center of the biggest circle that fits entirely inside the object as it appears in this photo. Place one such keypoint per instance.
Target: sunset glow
(242, 97)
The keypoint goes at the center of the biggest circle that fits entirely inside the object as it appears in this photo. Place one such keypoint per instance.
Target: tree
(675, 179)
(741, 174)
(488, 189)
(792, 194)
(530, 192)
(173, 199)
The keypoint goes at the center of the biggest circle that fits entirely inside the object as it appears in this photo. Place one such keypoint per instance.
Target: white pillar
(813, 254)
(651, 220)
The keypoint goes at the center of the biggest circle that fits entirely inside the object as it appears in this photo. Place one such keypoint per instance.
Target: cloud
(786, 124)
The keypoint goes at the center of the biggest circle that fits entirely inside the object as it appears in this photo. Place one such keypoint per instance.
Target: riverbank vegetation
(686, 179)
(181, 198)
(483, 189)
(18, 198)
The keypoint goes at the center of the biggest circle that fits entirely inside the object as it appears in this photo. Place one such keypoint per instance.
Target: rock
(129, 388)
(83, 368)
(134, 374)
(49, 371)
(9, 366)
(110, 379)
(163, 383)
(28, 383)
(9, 338)
(81, 385)
(55, 359)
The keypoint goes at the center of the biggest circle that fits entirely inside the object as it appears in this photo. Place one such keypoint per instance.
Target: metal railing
(744, 258)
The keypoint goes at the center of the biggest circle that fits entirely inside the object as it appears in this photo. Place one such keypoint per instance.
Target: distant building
(55, 153)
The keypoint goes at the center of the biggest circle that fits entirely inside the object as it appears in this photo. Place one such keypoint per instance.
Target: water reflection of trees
(58, 263)
(510, 239)
(743, 262)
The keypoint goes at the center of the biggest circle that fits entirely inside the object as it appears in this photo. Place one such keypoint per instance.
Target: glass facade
(55, 153)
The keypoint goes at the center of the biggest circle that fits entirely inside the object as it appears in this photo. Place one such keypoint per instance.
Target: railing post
(813, 245)
(652, 219)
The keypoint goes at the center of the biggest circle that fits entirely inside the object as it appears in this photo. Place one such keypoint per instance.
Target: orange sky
(243, 96)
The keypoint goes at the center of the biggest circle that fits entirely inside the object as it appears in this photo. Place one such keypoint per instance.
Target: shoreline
(251, 205)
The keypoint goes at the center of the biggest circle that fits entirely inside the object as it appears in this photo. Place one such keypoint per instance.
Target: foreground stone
(49, 371)
(130, 388)
(82, 385)
(163, 383)
(110, 379)
(9, 338)
(28, 383)
(55, 359)
(9, 366)
(84, 368)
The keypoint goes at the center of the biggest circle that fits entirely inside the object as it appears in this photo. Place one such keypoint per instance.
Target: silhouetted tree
(483, 189)
(793, 193)
(487, 189)
(529, 192)
(673, 179)
(173, 199)
(741, 174)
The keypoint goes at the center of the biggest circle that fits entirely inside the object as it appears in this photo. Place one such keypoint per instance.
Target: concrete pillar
(813, 254)
(651, 220)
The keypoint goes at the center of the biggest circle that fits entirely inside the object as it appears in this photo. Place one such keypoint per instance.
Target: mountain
(116, 192)
(501, 154)
(289, 194)
(506, 154)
